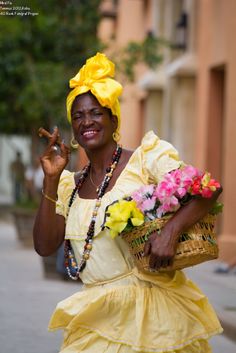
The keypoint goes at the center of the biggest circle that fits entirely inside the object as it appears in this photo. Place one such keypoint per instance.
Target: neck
(100, 158)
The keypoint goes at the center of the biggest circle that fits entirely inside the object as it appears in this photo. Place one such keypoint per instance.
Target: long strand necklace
(73, 269)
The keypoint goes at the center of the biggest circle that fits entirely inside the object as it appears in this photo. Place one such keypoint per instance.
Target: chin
(90, 144)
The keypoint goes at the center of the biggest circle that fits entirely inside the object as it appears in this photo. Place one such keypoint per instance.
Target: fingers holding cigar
(56, 155)
(54, 138)
(55, 141)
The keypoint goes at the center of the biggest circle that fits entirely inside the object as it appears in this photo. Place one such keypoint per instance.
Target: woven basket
(196, 245)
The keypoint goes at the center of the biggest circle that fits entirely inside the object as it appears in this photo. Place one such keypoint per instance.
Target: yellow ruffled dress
(121, 310)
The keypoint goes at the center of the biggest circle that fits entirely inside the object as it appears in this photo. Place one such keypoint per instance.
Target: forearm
(49, 228)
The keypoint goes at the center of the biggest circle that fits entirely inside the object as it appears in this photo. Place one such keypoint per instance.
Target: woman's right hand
(54, 161)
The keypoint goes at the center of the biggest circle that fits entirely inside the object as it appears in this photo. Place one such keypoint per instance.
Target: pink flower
(191, 172)
(176, 176)
(181, 192)
(171, 205)
(206, 193)
(137, 197)
(148, 204)
(188, 173)
(143, 193)
(213, 184)
(144, 198)
(157, 200)
(164, 190)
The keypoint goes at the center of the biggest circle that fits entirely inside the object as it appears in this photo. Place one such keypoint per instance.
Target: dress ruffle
(143, 316)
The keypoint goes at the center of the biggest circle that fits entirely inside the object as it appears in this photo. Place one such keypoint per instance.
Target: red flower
(196, 186)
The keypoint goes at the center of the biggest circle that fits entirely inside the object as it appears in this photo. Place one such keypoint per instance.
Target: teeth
(89, 133)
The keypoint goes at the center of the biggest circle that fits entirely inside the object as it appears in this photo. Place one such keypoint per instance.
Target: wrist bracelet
(48, 197)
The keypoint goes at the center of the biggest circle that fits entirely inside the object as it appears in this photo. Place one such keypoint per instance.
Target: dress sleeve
(159, 157)
(64, 191)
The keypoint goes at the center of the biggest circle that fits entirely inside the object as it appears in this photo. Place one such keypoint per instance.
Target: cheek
(75, 130)
(75, 124)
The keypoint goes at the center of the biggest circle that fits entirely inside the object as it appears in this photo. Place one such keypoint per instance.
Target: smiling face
(93, 125)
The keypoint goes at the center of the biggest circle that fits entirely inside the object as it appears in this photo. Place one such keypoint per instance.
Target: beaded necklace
(73, 269)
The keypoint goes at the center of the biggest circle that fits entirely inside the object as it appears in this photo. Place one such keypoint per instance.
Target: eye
(97, 113)
(76, 117)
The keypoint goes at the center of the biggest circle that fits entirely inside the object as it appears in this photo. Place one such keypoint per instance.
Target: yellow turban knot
(96, 76)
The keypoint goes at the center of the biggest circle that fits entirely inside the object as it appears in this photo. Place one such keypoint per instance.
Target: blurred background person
(17, 169)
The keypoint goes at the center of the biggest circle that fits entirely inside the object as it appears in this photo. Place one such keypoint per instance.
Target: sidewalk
(28, 299)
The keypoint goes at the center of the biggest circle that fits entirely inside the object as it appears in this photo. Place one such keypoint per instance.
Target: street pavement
(28, 298)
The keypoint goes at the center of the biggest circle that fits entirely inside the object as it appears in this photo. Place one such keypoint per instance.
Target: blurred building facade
(190, 98)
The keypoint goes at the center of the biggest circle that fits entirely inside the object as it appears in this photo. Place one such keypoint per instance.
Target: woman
(120, 309)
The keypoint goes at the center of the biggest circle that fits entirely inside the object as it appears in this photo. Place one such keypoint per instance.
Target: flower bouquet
(149, 208)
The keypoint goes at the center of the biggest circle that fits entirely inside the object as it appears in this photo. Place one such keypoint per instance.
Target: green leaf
(217, 208)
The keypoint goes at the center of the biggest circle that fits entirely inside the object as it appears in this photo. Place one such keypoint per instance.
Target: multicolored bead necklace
(73, 269)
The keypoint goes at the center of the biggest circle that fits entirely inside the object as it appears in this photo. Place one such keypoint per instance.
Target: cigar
(44, 133)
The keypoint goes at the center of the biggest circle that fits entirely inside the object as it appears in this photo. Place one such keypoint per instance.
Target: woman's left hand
(161, 247)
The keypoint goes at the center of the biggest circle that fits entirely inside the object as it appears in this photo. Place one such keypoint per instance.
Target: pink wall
(217, 51)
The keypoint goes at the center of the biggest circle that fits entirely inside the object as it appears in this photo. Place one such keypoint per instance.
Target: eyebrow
(90, 110)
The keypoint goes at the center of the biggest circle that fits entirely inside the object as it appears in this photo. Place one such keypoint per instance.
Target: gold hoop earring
(74, 144)
(116, 136)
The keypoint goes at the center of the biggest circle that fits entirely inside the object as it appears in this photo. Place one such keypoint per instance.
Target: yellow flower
(138, 217)
(206, 179)
(118, 215)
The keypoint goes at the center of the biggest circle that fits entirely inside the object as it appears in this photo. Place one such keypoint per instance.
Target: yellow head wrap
(95, 76)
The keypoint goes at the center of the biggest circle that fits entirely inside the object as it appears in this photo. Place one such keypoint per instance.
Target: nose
(87, 119)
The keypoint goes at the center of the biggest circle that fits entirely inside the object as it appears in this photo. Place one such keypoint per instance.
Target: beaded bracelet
(48, 197)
